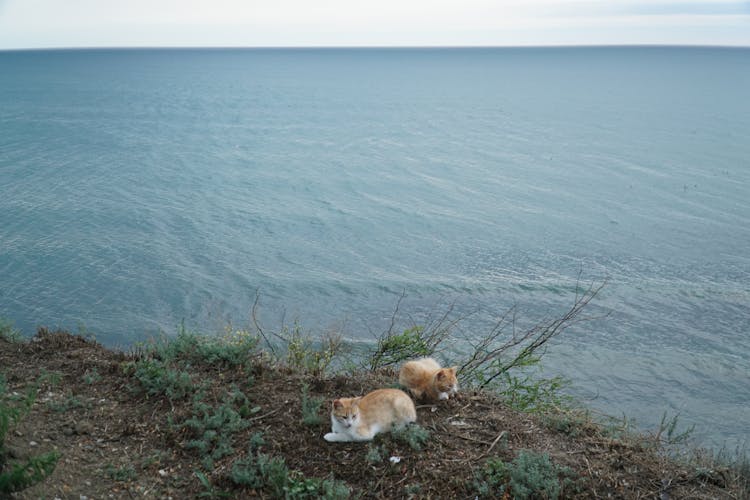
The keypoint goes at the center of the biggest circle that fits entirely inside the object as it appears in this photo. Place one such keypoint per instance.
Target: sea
(147, 190)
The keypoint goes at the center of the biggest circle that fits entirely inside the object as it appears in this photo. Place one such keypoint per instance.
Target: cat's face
(346, 411)
(445, 380)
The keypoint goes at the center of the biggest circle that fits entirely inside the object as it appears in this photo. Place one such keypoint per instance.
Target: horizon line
(365, 47)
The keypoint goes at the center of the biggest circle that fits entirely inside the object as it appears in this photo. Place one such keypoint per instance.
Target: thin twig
(263, 416)
(498, 438)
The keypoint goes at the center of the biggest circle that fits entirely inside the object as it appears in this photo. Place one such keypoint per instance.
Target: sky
(280, 23)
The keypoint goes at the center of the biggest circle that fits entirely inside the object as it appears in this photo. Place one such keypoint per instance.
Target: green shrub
(213, 429)
(157, 378)
(233, 349)
(124, 473)
(308, 356)
(375, 453)
(69, 402)
(91, 377)
(271, 475)
(8, 332)
(413, 435)
(311, 407)
(529, 475)
(393, 348)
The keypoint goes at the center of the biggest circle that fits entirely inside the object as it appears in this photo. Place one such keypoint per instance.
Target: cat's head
(445, 380)
(346, 411)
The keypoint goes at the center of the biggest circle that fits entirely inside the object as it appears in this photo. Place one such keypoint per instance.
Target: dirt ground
(115, 442)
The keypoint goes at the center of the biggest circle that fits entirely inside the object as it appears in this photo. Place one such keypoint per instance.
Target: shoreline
(185, 417)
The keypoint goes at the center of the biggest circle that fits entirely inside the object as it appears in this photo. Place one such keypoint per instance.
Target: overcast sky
(137, 23)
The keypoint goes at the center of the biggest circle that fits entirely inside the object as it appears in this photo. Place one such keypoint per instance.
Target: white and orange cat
(359, 419)
(426, 379)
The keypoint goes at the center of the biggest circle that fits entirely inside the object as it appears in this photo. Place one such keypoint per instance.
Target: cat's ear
(440, 375)
(337, 404)
(356, 400)
(454, 369)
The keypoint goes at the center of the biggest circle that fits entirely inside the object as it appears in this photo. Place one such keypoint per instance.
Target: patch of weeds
(157, 378)
(571, 423)
(530, 394)
(8, 332)
(52, 379)
(69, 402)
(412, 490)
(530, 475)
(270, 475)
(375, 453)
(306, 355)
(311, 407)
(91, 377)
(17, 476)
(213, 429)
(209, 490)
(232, 349)
(154, 458)
(239, 399)
(124, 473)
(667, 433)
(413, 434)
(393, 348)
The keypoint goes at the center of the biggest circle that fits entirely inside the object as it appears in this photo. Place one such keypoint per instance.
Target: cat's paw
(331, 437)
(443, 396)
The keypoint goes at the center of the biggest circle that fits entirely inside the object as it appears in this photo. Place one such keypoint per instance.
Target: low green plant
(52, 379)
(271, 475)
(311, 407)
(375, 453)
(209, 490)
(530, 475)
(569, 422)
(91, 376)
(305, 354)
(233, 349)
(17, 476)
(8, 332)
(668, 435)
(69, 402)
(158, 378)
(412, 490)
(242, 402)
(124, 473)
(413, 434)
(213, 429)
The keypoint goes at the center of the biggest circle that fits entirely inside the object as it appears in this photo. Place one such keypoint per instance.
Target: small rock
(33, 443)
(83, 428)
(163, 473)
(395, 460)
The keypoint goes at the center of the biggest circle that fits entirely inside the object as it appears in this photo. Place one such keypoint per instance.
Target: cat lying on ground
(359, 419)
(426, 379)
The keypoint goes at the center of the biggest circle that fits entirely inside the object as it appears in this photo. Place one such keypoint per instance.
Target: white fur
(348, 431)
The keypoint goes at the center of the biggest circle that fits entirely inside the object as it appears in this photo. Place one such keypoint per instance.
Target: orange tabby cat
(425, 378)
(359, 419)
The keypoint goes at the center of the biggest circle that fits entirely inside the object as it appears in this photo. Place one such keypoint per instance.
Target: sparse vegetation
(529, 475)
(8, 332)
(211, 395)
(212, 429)
(158, 378)
(413, 434)
(17, 475)
(260, 472)
(311, 407)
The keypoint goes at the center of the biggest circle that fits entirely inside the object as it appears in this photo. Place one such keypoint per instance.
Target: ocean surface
(140, 189)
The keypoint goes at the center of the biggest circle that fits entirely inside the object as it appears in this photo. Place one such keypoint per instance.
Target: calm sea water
(140, 188)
